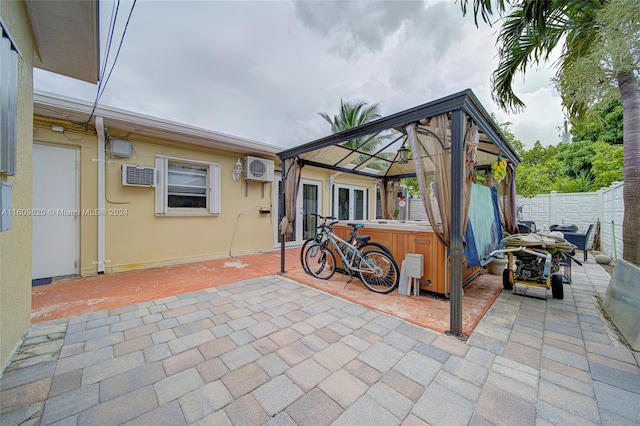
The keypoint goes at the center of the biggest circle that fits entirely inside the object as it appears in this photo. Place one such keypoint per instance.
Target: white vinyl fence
(581, 209)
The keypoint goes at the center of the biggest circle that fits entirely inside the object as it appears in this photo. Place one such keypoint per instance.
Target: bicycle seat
(362, 239)
(356, 225)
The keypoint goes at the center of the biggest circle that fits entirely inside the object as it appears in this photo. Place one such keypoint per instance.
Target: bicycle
(362, 242)
(376, 269)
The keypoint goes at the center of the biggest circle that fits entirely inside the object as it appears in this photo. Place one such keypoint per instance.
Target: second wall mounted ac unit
(138, 176)
(258, 169)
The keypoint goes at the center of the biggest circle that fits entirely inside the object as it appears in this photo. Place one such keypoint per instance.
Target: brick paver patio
(272, 351)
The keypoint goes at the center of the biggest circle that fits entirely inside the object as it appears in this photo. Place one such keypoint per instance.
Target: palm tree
(353, 114)
(584, 29)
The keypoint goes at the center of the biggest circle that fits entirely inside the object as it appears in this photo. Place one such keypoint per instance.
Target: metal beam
(356, 172)
(340, 169)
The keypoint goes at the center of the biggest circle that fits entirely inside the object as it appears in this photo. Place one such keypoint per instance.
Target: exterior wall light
(329, 183)
(237, 170)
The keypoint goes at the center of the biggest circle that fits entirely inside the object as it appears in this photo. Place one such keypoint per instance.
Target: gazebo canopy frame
(331, 153)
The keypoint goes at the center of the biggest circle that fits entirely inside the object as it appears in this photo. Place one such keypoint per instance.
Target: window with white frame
(350, 202)
(8, 102)
(187, 187)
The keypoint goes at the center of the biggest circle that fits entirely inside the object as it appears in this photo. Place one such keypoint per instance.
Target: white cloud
(356, 27)
(541, 119)
(263, 70)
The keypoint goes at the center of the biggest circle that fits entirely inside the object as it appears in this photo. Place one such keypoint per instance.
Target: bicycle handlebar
(325, 218)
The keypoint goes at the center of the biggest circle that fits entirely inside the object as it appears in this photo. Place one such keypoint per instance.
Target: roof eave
(66, 34)
(61, 107)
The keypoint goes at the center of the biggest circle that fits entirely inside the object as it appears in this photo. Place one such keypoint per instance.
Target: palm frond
(353, 114)
(531, 32)
(485, 9)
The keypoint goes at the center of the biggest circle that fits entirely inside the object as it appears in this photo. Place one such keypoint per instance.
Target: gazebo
(444, 144)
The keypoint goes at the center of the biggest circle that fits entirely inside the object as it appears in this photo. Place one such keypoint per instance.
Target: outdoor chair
(581, 241)
(529, 224)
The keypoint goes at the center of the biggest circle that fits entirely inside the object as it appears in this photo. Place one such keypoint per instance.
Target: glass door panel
(343, 204)
(359, 204)
(310, 204)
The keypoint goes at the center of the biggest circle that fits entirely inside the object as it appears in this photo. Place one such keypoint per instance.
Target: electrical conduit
(101, 194)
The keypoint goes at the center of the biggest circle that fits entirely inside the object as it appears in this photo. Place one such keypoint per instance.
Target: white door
(55, 211)
(350, 202)
(309, 201)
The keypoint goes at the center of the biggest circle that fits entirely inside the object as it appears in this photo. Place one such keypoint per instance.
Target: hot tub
(402, 237)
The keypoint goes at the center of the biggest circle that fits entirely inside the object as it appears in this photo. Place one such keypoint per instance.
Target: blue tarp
(484, 231)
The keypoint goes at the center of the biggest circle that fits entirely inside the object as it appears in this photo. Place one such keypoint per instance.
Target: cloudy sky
(264, 69)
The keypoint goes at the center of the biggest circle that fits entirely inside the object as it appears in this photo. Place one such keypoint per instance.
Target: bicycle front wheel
(319, 261)
(303, 252)
(379, 272)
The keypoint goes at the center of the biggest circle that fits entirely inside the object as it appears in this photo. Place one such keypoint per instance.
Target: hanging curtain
(471, 142)
(508, 201)
(291, 173)
(432, 142)
(432, 164)
(472, 137)
(388, 190)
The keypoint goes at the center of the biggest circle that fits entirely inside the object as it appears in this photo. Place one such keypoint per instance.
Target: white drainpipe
(101, 193)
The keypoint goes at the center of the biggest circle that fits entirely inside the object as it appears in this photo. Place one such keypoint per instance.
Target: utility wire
(112, 24)
(102, 86)
(118, 52)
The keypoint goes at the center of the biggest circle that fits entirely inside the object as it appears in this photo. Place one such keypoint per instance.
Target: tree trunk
(631, 193)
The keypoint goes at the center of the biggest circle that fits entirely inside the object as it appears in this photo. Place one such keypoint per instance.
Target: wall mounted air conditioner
(258, 169)
(138, 176)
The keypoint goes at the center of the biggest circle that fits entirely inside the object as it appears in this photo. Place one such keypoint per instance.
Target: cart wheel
(507, 279)
(556, 286)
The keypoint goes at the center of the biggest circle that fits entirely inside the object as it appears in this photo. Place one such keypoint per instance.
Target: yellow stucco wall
(136, 238)
(139, 238)
(15, 243)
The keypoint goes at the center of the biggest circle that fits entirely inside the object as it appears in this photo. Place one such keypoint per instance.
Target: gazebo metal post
(455, 237)
(280, 216)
